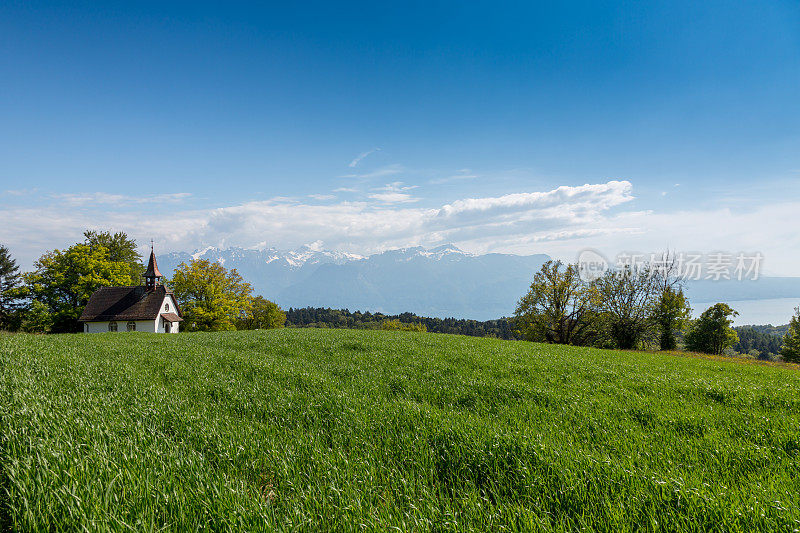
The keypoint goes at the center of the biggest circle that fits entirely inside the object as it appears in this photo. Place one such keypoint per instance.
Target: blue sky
(355, 126)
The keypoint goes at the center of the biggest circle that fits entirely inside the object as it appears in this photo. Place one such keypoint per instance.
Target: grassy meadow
(350, 430)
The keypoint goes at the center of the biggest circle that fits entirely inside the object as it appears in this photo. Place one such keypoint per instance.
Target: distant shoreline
(775, 311)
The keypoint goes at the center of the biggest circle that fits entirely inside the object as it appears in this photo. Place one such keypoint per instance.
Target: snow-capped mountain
(443, 281)
(292, 258)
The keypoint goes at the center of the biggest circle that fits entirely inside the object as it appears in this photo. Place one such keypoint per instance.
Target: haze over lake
(775, 311)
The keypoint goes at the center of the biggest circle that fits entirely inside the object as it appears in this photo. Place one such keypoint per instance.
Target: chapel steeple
(152, 274)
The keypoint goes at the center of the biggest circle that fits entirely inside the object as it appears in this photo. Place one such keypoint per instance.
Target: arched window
(131, 325)
(112, 326)
(166, 307)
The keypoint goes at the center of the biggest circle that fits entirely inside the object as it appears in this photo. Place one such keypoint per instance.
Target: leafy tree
(64, 280)
(791, 342)
(557, 307)
(262, 314)
(212, 298)
(118, 248)
(9, 288)
(37, 318)
(712, 332)
(671, 314)
(625, 300)
(396, 325)
(755, 354)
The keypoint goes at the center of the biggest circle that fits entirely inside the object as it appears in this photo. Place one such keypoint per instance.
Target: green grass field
(350, 430)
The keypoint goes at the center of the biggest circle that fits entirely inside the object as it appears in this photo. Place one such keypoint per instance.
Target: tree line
(51, 297)
(761, 342)
(319, 317)
(634, 307)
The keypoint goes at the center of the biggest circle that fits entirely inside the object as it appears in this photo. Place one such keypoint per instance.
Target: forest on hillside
(766, 340)
(321, 317)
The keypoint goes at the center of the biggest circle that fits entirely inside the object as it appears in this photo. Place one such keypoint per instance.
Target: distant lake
(775, 311)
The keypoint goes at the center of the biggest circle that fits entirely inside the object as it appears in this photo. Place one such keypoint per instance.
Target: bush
(791, 342)
(262, 314)
(37, 318)
(712, 332)
(396, 325)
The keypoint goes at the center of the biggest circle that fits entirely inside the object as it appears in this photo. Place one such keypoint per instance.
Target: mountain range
(437, 282)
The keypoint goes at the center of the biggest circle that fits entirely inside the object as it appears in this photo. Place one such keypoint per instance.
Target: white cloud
(397, 186)
(389, 170)
(394, 193)
(688, 231)
(359, 227)
(361, 156)
(463, 174)
(101, 198)
(19, 192)
(322, 197)
(586, 200)
(393, 197)
(559, 222)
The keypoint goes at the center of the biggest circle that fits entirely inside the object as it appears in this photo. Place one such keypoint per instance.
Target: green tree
(557, 307)
(36, 318)
(396, 325)
(672, 314)
(791, 341)
(625, 300)
(712, 332)
(212, 298)
(118, 248)
(64, 280)
(262, 314)
(9, 289)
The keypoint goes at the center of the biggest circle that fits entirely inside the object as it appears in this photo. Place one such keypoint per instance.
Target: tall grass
(351, 430)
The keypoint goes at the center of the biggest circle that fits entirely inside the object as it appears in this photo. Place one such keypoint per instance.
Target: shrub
(396, 325)
(712, 332)
(791, 342)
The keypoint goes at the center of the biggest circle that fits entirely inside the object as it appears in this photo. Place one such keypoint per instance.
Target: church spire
(152, 274)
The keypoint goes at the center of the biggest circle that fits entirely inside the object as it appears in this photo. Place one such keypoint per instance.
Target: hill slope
(316, 429)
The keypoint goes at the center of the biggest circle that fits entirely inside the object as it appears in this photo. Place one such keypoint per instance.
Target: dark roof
(152, 267)
(125, 303)
(171, 317)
